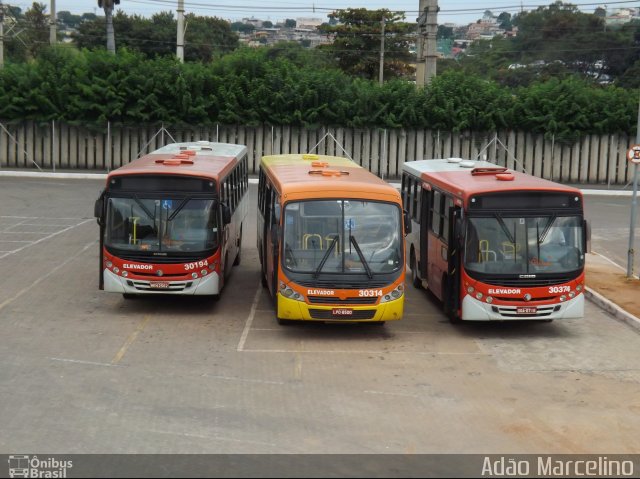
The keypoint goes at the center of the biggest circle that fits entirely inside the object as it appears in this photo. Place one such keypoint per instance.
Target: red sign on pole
(633, 155)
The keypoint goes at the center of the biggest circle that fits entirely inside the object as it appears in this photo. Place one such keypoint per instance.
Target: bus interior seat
(312, 241)
(484, 253)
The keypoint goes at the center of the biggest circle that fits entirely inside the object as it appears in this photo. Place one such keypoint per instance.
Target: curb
(612, 308)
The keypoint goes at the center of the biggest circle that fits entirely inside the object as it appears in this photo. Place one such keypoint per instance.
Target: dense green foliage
(356, 42)
(288, 85)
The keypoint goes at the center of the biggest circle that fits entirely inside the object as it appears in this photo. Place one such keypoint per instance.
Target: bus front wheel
(415, 280)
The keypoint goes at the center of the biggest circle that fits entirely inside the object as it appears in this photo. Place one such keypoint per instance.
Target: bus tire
(236, 261)
(415, 280)
(446, 303)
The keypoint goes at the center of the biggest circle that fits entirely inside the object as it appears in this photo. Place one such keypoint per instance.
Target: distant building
(620, 16)
(308, 23)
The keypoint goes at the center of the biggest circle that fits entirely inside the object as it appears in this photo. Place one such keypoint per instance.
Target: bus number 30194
(369, 293)
(196, 265)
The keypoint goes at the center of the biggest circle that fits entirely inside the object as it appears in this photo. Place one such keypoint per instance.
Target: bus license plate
(526, 310)
(342, 312)
(159, 285)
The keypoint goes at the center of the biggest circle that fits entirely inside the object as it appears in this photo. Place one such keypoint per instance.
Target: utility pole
(1, 34)
(180, 35)
(52, 24)
(634, 203)
(427, 41)
(381, 76)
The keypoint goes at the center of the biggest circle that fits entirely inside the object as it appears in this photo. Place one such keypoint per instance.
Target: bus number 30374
(369, 293)
(559, 289)
(196, 265)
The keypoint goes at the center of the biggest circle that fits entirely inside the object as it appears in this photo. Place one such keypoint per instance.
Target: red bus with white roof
(494, 244)
(171, 221)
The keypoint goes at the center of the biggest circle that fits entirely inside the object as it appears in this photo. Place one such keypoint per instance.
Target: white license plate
(525, 310)
(159, 285)
(342, 312)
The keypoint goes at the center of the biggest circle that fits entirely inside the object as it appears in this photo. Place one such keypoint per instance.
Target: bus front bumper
(207, 285)
(475, 310)
(290, 309)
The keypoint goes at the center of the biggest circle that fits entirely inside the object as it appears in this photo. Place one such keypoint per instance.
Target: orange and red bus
(171, 221)
(494, 244)
(330, 240)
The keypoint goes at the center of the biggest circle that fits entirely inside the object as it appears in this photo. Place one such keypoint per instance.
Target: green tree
(205, 38)
(356, 45)
(290, 23)
(267, 24)
(36, 23)
(445, 32)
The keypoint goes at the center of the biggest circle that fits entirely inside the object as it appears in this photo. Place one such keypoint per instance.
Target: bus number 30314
(369, 293)
(197, 264)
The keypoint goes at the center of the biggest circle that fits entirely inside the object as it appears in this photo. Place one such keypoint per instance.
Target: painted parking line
(252, 314)
(4, 255)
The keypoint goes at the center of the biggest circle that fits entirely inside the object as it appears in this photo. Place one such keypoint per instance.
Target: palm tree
(108, 11)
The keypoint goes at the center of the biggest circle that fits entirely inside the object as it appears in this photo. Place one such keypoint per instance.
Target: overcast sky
(451, 11)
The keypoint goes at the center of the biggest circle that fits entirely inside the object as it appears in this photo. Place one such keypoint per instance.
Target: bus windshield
(524, 245)
(342, 236)
(161, 225)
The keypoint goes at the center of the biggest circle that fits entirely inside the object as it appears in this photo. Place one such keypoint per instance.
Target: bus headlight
(478, 295)
(563, 298)
(109, 264)
(579, 288)
(489, 299)
(395, 294)
(290, 293)
(194, 275)
(125, 274)
(572, 294)
(204, 272)
(116, 270)
(470, 290)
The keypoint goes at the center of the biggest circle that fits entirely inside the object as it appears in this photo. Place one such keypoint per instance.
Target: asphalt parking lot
(89, 372)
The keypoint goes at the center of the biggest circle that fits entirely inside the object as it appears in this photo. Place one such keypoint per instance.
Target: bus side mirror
(407, 222)
(226, 214)
(587, 236)
(98, 208)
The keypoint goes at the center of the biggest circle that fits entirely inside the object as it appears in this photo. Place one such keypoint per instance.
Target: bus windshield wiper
(152, 217)
(325, 257)
(353, 241)
(512, 239)
(177, 210)
(546, 229)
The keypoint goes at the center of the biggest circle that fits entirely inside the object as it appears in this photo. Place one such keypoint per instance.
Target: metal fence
(53, 146)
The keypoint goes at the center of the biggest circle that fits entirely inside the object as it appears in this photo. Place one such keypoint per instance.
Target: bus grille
(327, 314)
(529, 282)
(331, 300)
(146, 286)
(510, 311)
(348, 284)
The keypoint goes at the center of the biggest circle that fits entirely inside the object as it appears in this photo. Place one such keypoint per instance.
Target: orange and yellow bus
(495, 244)
(330, 240)
(171, 221)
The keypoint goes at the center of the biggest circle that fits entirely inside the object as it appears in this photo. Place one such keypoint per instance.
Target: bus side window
(435, 213)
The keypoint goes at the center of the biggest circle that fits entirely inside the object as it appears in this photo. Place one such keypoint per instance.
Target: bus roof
(455, 175)
(205, 159)
(304, 176)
